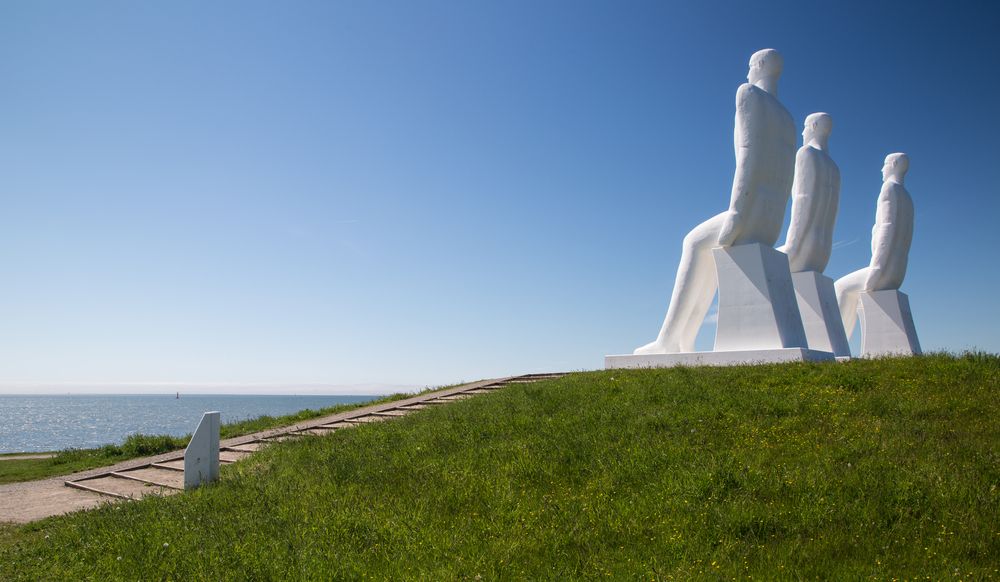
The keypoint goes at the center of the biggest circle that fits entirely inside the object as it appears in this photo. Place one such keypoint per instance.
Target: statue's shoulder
(809, 156)
(886, 192)
(809, 153)
(815, 156)
(753, 98)
(895, 194)
(748, 96)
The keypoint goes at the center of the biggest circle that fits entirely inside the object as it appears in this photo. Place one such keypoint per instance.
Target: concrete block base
(730, 358)
(887, 325)
(820, 314)
(757, 306)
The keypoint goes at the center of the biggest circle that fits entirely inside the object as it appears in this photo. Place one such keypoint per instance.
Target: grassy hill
(881, 469)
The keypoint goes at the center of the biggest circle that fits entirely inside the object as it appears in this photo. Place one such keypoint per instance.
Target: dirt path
(163, 474)
(26, 456)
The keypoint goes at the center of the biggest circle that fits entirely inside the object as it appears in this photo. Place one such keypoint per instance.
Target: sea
(57, 422)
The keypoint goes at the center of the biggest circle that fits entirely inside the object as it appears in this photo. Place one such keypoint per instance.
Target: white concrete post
(201, 457)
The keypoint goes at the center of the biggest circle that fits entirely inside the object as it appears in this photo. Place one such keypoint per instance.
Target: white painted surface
(892, 232)
(820, 315)
(815, 198)
(201, 457)
(734, 358)
(764, 143)
(892, 235)
(887, 324)
(757, 306)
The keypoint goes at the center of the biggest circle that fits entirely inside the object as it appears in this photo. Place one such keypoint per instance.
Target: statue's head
(817, 126)
(895, 166)
(765, 64)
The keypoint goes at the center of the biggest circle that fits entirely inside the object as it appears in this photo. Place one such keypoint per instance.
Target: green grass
(142, 445)
(870, 469)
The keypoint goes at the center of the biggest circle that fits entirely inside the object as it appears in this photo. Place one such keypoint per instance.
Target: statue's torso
(816, 195)
(892, 236)
(767, 129)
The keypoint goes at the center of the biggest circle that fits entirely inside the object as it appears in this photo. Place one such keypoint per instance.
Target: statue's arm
(834, 198)
(804, 203)
(883, 233)
(740, 199)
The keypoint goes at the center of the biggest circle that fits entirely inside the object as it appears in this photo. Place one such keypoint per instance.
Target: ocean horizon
(54, 422)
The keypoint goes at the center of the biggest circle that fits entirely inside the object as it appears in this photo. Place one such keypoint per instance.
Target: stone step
(367, 419)
(318, 431)
(173, 464)
(396, 412)
(337, 425)
(232, 456)
(247, 447)
(459, 396)
(154, 476)
(282, 437)
(120, 487)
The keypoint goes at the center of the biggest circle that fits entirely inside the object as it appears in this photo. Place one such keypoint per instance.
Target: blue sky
(427, 192)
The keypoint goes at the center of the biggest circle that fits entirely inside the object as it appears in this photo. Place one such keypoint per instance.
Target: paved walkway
(164, 474)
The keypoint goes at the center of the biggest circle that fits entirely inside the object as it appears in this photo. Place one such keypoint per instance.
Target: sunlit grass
(869, 469)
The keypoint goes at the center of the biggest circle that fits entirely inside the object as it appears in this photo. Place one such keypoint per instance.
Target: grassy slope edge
(884, 468)
(143, 445)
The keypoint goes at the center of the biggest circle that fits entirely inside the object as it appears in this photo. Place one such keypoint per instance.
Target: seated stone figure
(815, 197)
(891, 238)
(764, 141)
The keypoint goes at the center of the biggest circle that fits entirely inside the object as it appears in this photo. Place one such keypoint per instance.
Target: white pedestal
(820, 314)
(733, 358)
(757, 306)
(887, 324)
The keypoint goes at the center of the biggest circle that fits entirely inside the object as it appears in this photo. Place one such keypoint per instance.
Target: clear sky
(400, 192)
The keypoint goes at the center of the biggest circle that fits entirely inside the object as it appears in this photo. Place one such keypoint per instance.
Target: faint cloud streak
(841, 244)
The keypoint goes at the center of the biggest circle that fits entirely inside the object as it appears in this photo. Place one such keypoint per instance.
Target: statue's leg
(694, 289)
(700, 298)
(848, 289)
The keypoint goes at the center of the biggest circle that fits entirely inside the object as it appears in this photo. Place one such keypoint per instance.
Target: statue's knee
(695, 241)
(689, 241)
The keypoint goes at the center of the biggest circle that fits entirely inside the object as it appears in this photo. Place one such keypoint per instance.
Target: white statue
(815, 197)
(891, 237)
(764, 140)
